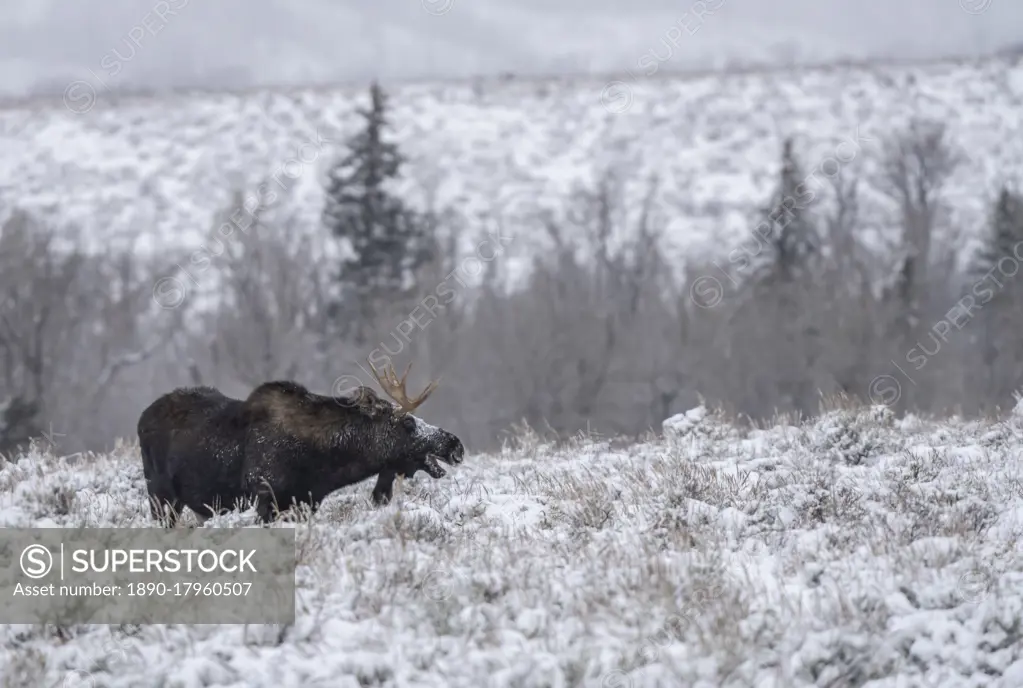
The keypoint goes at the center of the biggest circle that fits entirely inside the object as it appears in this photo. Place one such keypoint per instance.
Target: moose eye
(409, 423)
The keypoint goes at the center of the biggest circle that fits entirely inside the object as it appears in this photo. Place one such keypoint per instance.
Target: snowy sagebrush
(513, 147)
(855, 436)
(771, 557)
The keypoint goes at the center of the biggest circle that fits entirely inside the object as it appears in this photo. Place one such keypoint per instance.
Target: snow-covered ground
(852, 550)
(157, 168)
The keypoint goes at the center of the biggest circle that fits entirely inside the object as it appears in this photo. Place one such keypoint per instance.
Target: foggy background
(602, 335)
(46, 43)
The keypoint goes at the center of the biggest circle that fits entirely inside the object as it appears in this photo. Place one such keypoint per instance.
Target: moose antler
(395, 388)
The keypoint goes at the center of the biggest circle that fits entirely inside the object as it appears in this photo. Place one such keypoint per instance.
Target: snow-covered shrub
(699, 423)
(854, 436)
(769, 564)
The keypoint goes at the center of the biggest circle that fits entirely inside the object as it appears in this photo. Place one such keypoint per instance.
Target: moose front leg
(270, 500)
(384, 487)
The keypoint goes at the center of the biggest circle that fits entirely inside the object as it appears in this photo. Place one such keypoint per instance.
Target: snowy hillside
(851, 551)
(160, 167)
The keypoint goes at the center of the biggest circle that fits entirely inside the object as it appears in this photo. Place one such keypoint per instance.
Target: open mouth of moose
(431, 464)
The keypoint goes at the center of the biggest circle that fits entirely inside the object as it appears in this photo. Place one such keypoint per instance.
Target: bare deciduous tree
(70, 326)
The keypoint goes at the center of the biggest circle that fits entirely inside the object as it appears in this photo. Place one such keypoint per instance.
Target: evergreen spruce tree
(388, 241)
(999, 317)
(783, 283)
(1005, 231)
(795, 237)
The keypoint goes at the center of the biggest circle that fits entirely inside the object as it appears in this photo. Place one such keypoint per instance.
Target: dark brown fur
(282, 444)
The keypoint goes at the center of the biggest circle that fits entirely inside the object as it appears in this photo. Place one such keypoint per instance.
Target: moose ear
(363, 396)
(370, 403)
(367, 393)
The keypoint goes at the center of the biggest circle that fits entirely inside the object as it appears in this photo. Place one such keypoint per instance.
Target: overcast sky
(160, 43)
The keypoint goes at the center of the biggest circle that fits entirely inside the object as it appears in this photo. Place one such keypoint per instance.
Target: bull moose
(284, 444)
